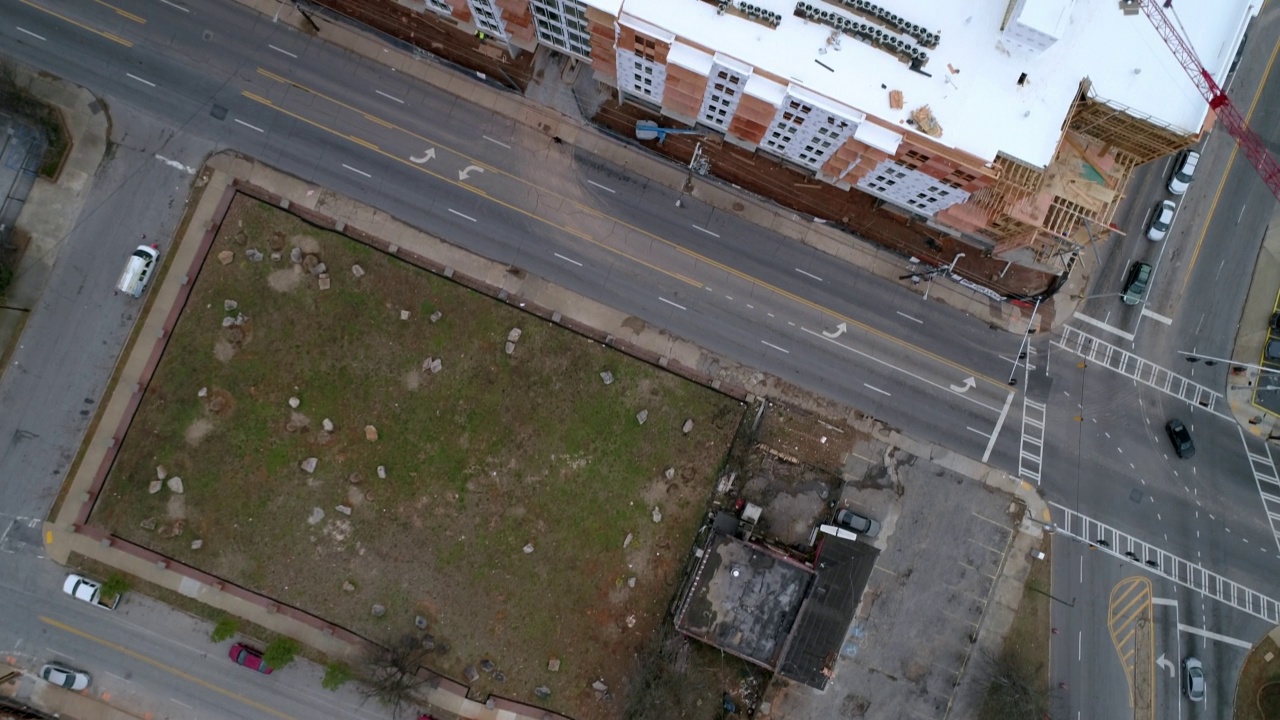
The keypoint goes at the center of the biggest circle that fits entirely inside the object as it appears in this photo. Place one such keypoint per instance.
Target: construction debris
(925, 120)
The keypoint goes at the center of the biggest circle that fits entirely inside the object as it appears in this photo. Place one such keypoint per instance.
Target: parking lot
(944, 540)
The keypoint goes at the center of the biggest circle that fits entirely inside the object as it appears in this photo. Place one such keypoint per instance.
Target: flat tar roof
(980, 105)
(744, 599)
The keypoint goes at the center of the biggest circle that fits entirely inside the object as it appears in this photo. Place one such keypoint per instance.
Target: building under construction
(1010, 125)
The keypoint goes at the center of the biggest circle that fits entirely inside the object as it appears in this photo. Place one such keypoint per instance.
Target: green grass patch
(511, 480)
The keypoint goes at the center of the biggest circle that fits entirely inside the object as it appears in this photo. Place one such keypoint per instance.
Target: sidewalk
(581, 133)
(1252, 335)
(51, 210)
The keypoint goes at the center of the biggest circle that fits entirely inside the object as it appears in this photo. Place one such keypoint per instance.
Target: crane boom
(1231, 119)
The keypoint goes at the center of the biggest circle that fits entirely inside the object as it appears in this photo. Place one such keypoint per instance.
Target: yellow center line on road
(669, 243)
(167, 668)
(102, 33)
(1235, 150)
(464, 186)
(123, 13)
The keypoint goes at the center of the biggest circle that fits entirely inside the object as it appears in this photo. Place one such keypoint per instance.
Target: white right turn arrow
(840, 330)
(968, 383)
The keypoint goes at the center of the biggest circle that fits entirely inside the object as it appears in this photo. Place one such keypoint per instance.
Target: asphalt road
(213, 76)
(152, 659)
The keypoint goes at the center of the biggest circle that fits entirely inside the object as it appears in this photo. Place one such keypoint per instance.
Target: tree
(116, 585)
(336, 675)
(279, 652)
(393, 674)
(225, 629)
(1015, 693)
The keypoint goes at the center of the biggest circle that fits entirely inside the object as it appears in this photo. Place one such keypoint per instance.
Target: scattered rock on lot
(471, 673)
(669, 473)
(197, 544)
(228, 322)
(317, 514)
(631, 581)
(428, 642)
(253, 254)
(378, 610)
(542, 691)
(148, 524)
(528, 548)
(309, 261)
(514, 335)
(487, 665)
(404, 314)
(357, 271)
(345, 510)
(155, 486)
(642, 416)
(295, 255)
(599, 687)
(347, 586)
(327, 424)
(275, 256)
(226, 256)
(354, 478)
(607, 377)
(420, 622)
(229, 305)
(202, 392)
(297, 421)
(309, 465)
(500, 677)
(627, 541)
(688, 426)
(657, 514)
(319, 269)
(435, 316)
(631, 621)
(175, 485)
(325, 282)
(161, 473)
(382, 472)
(435, 366)
(553, 664)
(511, 347)
(294, 403)
(370, 433)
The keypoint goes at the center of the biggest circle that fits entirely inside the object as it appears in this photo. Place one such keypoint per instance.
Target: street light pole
(1194, 357)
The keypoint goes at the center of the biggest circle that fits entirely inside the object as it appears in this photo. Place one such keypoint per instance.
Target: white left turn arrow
(840, 330)
(1167, 665)
(465, 172)
(962, 387)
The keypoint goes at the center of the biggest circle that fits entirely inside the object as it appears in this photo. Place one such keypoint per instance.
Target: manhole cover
(219, 112)
(208, 35)
(1135, 495)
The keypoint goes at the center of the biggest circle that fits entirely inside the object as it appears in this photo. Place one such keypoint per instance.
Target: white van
(137, 272)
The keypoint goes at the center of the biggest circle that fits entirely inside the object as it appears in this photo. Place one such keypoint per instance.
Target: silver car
(1193, 679)
(860, 524)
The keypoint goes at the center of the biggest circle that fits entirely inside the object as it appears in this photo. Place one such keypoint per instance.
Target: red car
(250, 658)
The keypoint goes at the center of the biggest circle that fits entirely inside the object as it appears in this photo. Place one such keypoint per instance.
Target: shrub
(225, 629)
(336, 675)
(115, 586)
(280, 652)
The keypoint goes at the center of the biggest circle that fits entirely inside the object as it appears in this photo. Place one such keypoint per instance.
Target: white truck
(82, 588)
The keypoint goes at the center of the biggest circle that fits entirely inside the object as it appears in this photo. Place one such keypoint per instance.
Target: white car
(56, 673)
(1185, 170)
(1193, 679)
(1161, 220)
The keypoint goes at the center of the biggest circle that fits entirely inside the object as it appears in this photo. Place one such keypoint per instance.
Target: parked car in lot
(55, 673)
(1272, 350)
(1135, 283)
(1184, 168)
(1161, 220)
(1193, 679)
(860, 524)
(1181, 438)
(249, 657)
